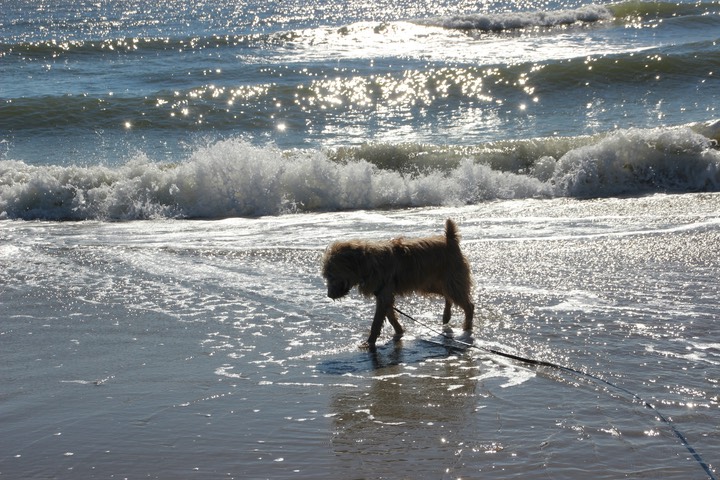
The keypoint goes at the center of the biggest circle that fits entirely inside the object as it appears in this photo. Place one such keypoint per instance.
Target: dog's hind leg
(447, 313)
(461, 298)
(469, 309)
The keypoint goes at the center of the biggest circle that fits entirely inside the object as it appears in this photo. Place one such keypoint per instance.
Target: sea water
(171, 173)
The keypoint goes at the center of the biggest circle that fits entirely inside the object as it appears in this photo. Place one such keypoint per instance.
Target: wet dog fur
(385, 269)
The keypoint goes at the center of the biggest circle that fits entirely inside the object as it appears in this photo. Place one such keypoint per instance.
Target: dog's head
(341, 268)
(337, 287)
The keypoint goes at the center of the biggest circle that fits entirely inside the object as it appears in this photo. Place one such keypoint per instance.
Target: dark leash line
(543, 363)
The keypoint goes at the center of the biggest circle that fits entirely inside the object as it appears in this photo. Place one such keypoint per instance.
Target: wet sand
(194, 350)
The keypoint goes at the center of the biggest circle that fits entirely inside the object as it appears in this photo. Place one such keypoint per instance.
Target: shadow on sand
(405, 351)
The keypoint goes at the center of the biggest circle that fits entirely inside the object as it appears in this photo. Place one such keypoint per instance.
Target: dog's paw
(466, 337)
(367, 346)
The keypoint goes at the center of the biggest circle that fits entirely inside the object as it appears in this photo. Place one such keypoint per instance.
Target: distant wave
(483, 22)
(59, 48)
(659, 10)
(233, 178)
(498, 22)
(54, 48)
(225, 107)
(587, 14)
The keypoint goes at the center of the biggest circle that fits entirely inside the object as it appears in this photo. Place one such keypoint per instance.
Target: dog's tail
(452, 234)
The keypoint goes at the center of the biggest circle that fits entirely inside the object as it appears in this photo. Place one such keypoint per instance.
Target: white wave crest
(517, 20)
(232, 178)
(637, 161)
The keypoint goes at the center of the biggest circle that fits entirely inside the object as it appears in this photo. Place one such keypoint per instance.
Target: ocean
(171, 173)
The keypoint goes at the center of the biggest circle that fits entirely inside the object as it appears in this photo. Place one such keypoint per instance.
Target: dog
(385, 269)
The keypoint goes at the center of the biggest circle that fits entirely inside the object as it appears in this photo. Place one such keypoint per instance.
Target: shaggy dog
(432, 265)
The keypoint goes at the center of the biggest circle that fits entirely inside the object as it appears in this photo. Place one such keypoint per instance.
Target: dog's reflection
(404, 414)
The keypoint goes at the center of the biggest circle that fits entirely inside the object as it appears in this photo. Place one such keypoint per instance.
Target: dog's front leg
(392, 318)
(384, 301)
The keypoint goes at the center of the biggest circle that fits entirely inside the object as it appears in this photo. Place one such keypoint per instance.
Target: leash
(543, 363)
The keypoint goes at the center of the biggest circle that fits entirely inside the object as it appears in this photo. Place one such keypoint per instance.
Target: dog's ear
(355, 260)
(344, 259)
(374, 268)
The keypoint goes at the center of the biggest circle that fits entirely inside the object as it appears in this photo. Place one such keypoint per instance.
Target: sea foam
(517, 20)
(232, 178)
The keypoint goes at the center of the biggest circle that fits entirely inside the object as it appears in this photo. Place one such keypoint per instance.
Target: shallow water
(208, 348)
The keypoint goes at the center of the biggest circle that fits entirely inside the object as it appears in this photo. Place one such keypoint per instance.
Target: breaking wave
(149, 42)
(500, 22)
(234, 178)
